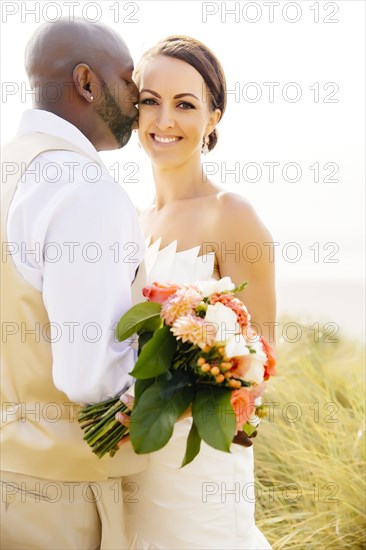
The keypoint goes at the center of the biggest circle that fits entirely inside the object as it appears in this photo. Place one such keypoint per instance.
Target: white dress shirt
(75, 237)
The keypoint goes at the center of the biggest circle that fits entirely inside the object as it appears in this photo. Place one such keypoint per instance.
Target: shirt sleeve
(90, 247)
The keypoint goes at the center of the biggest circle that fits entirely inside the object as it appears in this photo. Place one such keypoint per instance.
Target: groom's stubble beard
(109, 110)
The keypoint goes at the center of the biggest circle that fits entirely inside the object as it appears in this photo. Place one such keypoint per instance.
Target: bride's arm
(247, 254)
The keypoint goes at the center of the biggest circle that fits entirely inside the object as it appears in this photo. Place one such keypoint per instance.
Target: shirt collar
(37, 120)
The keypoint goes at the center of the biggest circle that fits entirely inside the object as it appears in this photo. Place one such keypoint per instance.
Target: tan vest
(40, 435)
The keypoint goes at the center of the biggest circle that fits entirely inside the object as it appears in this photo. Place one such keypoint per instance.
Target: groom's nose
(135, 93)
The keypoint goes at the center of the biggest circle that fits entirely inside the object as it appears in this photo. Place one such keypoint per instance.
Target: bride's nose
(165, 118)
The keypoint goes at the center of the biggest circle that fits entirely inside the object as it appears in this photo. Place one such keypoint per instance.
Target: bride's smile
(166, 140)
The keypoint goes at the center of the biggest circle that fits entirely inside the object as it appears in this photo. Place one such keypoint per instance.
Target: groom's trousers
(45, 514)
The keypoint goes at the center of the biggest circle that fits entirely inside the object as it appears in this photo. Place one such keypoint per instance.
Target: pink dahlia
(181, 303)
(192, 329)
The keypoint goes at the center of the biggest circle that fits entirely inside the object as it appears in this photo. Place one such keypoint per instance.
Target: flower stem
(103, 424)
(105, 444)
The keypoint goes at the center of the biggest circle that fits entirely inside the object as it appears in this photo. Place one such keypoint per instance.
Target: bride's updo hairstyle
(202, 59)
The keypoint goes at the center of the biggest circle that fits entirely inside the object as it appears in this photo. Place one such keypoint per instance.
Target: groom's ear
(85, 82)
(213, 120)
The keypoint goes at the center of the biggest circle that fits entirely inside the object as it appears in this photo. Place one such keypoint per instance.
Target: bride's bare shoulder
(242, 216)
(233, 203)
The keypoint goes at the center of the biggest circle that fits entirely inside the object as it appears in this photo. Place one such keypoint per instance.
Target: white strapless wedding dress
(208, 504)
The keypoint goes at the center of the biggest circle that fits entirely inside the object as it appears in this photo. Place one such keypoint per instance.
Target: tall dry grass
(310, 451)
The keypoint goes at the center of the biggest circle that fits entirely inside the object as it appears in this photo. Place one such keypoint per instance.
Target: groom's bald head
(55, 49)
(82, 72)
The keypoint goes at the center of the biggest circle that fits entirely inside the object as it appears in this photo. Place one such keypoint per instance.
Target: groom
(71, 246)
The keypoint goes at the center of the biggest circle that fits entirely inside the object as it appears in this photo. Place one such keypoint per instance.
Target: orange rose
(270, 366)
(159, 292)
(242, 402)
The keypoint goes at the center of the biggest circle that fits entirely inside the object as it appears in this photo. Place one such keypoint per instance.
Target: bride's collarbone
(180, 219)
(189, 226)
(182, 209)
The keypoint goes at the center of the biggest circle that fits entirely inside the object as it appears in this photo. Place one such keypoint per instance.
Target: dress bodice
(186, 266)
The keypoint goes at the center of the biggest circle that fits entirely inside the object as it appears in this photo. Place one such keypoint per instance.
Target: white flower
(223, 320)
(211, 286)
(254, 420)
(259, 355)
(236, 346)
(255, 372)
(258, 401)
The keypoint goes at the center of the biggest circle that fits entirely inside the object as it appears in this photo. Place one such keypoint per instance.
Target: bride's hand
(123, 418)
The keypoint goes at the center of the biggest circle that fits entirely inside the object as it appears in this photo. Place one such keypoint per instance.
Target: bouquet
(197, 350)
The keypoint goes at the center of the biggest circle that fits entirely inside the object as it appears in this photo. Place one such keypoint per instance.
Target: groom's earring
(88, 89)
(205, 145)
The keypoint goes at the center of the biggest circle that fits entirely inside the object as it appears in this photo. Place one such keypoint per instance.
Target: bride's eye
(185, 105)
(147, 101)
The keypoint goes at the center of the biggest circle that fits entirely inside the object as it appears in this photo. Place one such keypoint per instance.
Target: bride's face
(174, 111)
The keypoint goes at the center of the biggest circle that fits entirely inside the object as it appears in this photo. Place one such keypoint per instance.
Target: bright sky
(292, 140)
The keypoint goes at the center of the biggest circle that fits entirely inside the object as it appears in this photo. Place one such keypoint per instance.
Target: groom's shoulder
(58, 177)
(80, 173)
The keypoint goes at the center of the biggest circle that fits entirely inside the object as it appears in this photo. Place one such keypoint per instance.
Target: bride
(197, 230)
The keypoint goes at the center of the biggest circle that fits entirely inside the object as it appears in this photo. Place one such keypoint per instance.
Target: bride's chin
(164, 162)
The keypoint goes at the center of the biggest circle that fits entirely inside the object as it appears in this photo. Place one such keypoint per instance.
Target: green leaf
(238, 288)
(178, 380)
(153, 418)
(141, 386)
(144, 338)
(135, 318)
(151, 325)
(156, 356)
(249, 429)
(214, 417)
(193, 445)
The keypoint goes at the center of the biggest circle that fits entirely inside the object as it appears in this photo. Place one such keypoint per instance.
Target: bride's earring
(205, 145)
(138, 143)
